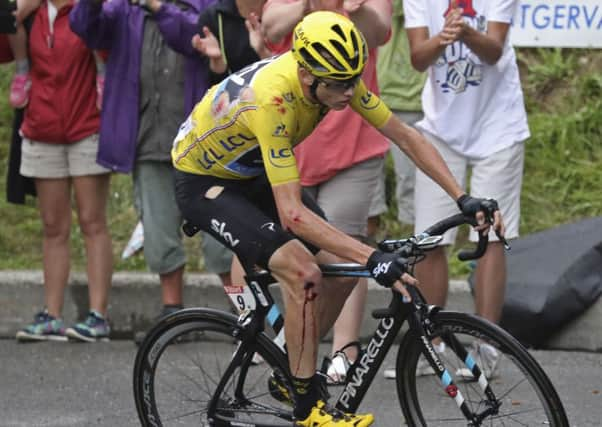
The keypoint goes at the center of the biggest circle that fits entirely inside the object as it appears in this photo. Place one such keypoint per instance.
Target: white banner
(558, 23)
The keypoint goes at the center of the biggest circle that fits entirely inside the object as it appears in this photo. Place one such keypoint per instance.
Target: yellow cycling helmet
(329, 45)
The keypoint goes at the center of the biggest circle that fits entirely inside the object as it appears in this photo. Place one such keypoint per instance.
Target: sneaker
(94, 328)
(423, 367)
(322, 415)
(100, 88)
(44, 328)
(487, 359)
(19, 90)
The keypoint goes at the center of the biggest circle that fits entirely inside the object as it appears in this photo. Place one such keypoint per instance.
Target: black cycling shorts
(243, 216)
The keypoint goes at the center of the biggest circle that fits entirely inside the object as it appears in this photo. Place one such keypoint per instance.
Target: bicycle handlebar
(412, 246)
(454, 221)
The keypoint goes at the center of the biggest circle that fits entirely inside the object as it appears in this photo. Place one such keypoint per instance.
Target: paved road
(57, 384)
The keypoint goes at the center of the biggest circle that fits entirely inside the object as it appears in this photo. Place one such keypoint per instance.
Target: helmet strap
(313, 88)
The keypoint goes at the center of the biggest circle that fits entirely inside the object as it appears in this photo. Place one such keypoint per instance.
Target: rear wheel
(523, 393)
(193, 369)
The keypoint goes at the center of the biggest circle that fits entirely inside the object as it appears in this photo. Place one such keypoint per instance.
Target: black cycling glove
(386, 268)
(471, 205)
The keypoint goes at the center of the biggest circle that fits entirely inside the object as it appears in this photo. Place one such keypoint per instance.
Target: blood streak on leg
(310, 296)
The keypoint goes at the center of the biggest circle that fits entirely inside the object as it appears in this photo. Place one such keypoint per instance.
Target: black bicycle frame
(364, 369)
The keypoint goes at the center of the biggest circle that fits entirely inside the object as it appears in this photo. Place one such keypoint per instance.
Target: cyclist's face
(336, 94)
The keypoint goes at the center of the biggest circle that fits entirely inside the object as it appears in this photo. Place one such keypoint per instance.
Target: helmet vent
(309, 60)
(351, 60)
(328, 57)
(337, 29)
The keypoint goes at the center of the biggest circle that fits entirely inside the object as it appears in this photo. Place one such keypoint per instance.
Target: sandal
(340, 364)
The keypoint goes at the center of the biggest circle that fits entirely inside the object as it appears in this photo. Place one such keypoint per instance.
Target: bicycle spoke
(516, 393)
(202, 381)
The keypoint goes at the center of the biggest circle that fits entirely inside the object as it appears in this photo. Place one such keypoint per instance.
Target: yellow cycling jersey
(249, 123)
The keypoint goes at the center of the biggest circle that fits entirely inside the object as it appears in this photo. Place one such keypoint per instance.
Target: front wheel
(513, 390)
(198, 367)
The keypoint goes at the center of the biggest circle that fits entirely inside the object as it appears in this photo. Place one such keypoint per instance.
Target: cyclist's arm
(408, 139)
(422, 153)
(301, 221)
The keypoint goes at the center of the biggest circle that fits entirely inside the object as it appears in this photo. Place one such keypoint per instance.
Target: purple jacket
(118, 26)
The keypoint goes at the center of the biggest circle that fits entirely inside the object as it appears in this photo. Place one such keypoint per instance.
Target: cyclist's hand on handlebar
(389, 270)
(486, 212)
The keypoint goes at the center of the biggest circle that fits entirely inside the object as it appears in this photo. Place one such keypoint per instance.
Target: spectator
(21, 82)
(400, 87)
(351, 152)
(242, 44)
(60, 131)
(146, 81)
(475, 116)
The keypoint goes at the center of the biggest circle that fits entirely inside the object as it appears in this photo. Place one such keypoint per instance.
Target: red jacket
(62, 101)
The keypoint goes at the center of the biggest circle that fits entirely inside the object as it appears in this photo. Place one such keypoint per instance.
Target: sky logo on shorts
(220, 228)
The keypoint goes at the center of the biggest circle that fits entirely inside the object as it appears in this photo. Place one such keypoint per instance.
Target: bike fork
(421, 323)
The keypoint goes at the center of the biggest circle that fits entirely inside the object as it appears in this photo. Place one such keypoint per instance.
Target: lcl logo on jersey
(281, 157)
(368, 101)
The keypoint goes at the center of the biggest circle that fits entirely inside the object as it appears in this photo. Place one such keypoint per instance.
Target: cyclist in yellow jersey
(237, 180)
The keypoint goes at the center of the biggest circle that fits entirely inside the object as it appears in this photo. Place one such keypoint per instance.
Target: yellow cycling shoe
(324, 416)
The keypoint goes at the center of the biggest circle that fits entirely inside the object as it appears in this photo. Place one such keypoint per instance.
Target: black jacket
(239, 52)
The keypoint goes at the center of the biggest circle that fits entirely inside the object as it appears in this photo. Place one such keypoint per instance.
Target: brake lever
(497, 233)
(503, 240)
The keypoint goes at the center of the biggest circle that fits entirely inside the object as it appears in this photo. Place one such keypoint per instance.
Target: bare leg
(91, 194)
(433, 275)
(296, 270)
(54, 199)
(171, 286)
(347, 325)
(490, 283)
(237, 273)
(372, 227)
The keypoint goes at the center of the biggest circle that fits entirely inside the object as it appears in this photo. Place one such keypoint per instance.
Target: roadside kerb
(135, 301)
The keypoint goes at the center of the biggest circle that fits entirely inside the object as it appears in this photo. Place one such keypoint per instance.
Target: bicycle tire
(526, 394)
(186, 362)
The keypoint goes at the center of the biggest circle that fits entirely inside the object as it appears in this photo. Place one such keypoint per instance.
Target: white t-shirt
(474, 107)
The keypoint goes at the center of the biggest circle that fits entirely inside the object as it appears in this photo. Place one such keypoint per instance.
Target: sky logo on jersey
(288, 97)
(369, 102)
(281, 157)
(281, 131)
